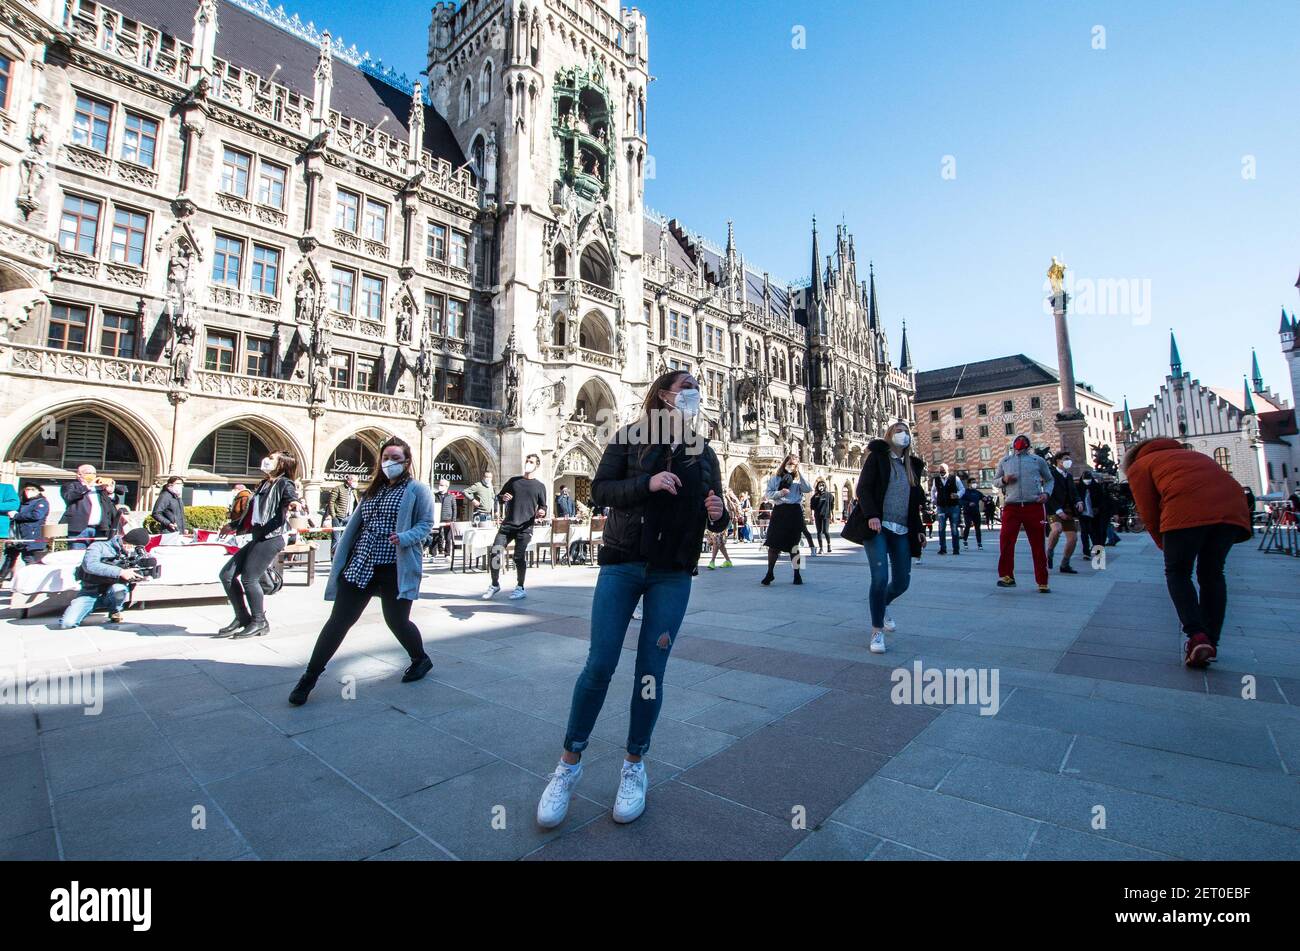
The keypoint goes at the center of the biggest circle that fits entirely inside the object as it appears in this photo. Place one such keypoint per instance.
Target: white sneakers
(629, 803)
(554, 804)
(890, 626)
(877, 642)
(518, 593)
(490, 592)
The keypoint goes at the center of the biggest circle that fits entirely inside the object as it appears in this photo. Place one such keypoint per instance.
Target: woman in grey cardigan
(380, 553)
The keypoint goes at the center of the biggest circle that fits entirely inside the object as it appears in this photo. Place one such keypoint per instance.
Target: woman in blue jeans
(663, 488)
(890, 493)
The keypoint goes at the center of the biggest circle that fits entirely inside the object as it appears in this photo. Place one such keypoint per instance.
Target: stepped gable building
(1249, 430)
(224, 231)
(968, 414)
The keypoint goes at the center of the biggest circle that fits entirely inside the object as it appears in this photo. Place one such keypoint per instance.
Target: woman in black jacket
(27, 522)
(821, 503)
(663, 487)
(169, 510)
(891, 497)
(266, 519)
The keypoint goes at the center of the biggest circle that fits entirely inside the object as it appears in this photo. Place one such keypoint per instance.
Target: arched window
(594, 266)
(1224, 459)
(561, 261)
(478, 154)
(593, 334)
(466, 102)
(485, 85)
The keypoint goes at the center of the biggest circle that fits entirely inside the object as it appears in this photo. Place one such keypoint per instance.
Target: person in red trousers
(1026, 480)
(1193, 510)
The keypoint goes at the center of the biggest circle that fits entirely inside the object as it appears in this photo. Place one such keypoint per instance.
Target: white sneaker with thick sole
(877, 642)
(554, 804)
(518, 593)
(890, 626)
(630, 801)
(490, 593)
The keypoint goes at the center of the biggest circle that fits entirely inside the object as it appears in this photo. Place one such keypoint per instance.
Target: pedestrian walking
(821, 504)
(380, 553)
(1063, 506)
(785, 490)
(1094, 513)
(523, 501)
(1193, 510)
(663, 493)
(266, 521)
(27, 523)
(890, 499)
(946, 493)
(972, 502)
(1026, 481)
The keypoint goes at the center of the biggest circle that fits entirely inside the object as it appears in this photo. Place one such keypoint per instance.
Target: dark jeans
(1206, 547)
(663, 595)
(890, 558)
(350, 600)
(336, 532)
(1091, 532)
(823, 525)
(972, 519)
(241, 576)
(522, 537)
(949, 515)
(86, 533)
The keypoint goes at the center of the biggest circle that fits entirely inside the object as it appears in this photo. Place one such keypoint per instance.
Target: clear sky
(965, 143)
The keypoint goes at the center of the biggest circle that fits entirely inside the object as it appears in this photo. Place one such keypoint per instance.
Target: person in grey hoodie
(1026, 482)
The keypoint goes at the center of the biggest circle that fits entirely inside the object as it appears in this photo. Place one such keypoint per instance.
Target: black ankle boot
(232, 627)
(417, 670)
(301, 692)
(798, 578)
(254, 628)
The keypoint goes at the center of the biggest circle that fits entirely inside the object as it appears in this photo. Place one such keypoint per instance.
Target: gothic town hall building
(223, 232)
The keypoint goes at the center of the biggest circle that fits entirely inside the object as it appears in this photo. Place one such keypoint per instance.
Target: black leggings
(1207, 547)
(350, 601)
(522, 537)
(823, 524)
(241, 576)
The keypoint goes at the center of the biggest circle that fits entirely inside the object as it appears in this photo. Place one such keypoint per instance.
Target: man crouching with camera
(107, 573)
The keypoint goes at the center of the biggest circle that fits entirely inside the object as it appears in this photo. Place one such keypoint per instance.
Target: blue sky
(1126, 161)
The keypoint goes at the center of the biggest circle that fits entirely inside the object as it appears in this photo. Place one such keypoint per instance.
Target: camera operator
(107, 573)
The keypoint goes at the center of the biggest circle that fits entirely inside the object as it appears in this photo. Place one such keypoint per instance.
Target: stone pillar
(1070, 422)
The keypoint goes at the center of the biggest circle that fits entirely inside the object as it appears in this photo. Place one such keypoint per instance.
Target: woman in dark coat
(662, 494)
(785, 490)
(821, 504)
(891, 497)
(27, 522)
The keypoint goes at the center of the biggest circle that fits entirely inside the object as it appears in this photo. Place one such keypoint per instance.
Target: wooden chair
(299, 553)
(559, 540)
(540, 541)
(597, 534)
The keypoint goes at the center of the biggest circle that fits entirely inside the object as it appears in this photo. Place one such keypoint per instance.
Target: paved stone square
(1103, 745)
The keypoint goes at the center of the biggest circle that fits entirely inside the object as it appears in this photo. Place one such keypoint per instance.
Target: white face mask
(687, 402)
(392, 468)
(1087, 482)
(1066, 464)
(267, 466)
(529, 468)
(902, 439)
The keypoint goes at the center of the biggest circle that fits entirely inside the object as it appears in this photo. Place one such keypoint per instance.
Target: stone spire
(322, 85)
(204, 40)
(905, 361)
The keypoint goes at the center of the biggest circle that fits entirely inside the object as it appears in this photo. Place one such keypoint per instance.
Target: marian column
(1069, 421)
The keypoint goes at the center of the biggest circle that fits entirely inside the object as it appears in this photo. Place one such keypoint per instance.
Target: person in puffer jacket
(663, 487)
(1193, 510)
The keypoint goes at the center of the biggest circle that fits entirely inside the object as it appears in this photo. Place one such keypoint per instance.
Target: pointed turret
(1256, 377)
(203, 41)
(816, 290)
(905, 361)
(1285, 326)
(1249, 403)
(323, 86)
(873, 314)
(1175, 361)
(1128, 417)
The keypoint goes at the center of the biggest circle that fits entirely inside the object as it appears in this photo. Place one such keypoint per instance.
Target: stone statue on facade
(182, 359)
(34, 165)
(306, 301)
(512, 368)
(405, 320)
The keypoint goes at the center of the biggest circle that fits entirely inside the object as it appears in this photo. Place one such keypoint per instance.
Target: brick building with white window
(967, 415)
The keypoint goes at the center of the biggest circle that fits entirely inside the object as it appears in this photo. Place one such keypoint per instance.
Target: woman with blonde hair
(890, 498)
(785, 490)
(266, 520)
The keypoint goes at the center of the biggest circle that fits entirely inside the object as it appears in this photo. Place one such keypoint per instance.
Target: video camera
(139, 561)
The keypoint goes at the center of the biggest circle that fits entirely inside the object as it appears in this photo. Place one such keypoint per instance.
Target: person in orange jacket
(1193, 510)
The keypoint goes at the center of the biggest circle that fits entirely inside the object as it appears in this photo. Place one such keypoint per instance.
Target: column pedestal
(1072, 427)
